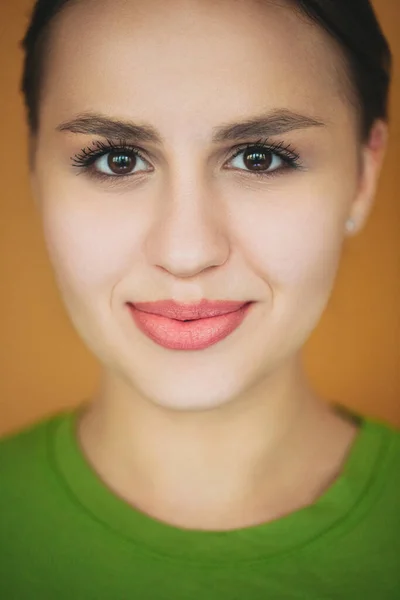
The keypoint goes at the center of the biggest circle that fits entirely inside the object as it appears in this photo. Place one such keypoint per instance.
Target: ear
(371, 158)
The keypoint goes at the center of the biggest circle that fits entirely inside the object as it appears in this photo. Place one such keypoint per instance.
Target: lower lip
(188, 335)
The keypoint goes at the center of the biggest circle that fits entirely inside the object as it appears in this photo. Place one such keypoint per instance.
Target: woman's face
(187, 220)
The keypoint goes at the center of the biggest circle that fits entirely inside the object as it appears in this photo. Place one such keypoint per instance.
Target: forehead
(188, 59)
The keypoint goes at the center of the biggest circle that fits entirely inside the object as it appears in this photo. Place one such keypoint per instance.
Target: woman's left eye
(259, 160)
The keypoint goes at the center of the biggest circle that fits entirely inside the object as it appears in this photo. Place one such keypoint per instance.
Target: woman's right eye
(110, 161)
(119, 163)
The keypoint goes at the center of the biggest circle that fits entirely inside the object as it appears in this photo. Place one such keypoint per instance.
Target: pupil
(120, 163)
(258, 160)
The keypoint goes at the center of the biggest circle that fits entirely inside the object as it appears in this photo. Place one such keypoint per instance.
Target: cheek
(90, 249)
(294, 238)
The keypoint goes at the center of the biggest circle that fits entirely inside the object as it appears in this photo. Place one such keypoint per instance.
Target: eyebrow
(274, 123)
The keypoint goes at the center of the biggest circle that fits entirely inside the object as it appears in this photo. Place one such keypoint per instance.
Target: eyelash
(87, 157)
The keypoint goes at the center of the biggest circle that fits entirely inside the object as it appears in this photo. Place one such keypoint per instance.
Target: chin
(191, 405)
(192, 394)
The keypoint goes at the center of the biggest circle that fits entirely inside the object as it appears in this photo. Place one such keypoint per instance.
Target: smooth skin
(232, 435)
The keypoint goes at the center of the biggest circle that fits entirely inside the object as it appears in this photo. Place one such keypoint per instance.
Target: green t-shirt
(65, 536)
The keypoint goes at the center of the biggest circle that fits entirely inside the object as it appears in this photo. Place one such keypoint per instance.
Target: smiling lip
(179, 326)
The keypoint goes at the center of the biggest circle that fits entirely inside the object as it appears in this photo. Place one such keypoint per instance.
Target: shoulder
(24, 455)
(382, 455)
(29, 437)
(389, 435)
(384, 438)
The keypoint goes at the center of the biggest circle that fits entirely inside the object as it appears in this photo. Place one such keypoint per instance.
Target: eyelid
(89, 155)
(270, 146)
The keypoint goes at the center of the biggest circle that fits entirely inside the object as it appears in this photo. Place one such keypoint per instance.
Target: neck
(207, 467)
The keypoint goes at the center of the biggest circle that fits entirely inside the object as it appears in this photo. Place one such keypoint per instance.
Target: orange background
(352, 357)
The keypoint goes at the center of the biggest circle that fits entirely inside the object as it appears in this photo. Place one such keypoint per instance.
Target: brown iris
(259, 161)
(120, 163)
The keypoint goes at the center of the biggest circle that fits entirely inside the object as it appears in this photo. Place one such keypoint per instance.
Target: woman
(197, 167)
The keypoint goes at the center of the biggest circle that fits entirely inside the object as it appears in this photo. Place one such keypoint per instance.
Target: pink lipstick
(180, 326)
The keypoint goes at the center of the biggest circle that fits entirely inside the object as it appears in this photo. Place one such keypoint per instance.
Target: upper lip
(185, 311)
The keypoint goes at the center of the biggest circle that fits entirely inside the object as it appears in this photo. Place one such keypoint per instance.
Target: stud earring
(350, 225)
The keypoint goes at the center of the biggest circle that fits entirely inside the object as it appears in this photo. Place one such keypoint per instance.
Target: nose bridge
(190, 234)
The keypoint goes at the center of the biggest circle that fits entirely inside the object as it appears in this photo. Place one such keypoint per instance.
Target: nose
(190, 233)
